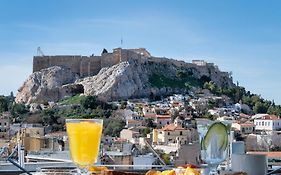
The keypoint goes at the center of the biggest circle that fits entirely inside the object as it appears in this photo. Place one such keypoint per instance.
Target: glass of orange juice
(84, 141)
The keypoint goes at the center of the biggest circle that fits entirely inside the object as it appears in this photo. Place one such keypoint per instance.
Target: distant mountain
(133, 78)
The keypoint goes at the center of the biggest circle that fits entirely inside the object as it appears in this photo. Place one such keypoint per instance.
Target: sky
(243, 37)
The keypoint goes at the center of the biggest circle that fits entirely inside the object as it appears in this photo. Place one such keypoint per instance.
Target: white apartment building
(244, 128)
(268, 123)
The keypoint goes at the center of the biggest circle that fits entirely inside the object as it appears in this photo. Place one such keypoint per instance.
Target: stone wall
(80, 65)
(109, 59)
(90, 65)
(72, 62)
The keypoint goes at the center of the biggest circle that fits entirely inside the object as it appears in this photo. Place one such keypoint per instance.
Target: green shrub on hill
(72, 100)
(182, 80)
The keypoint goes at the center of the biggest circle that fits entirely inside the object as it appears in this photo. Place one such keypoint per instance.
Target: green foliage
(19, 111)
(212, 87)
(50, 117)
(180, 73)
(149, 122)
(3, 104)
(73, 100)
(174, 114)
(204, 79)
(153, 97)
(166, 158)
(113, 126)
(275, 110)
(260, 107)
(89, 102)
(209, 116)
(212, 104)
(182, 81)
(145, 131)
(123, 104)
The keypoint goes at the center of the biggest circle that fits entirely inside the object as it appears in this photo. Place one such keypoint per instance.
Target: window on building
(262, 123)
(168, 133)
(180, 132)
(5, 124)
(259, 123)
(160, 123)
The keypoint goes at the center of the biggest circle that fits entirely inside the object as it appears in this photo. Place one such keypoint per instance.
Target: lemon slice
(217, 134)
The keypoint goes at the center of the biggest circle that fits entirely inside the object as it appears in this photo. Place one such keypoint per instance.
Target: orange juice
(84, 141)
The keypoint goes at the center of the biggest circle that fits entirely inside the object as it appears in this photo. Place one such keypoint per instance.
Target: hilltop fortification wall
(90, 65)
(80, 65)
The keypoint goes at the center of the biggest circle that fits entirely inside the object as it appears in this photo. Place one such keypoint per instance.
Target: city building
(244, 128)
(5, 125)
(268, 123)
(133, 123)
(129, 135)
(162, 120)
(173, 134)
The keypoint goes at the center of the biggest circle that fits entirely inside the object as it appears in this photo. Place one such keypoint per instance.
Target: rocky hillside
(130, 79)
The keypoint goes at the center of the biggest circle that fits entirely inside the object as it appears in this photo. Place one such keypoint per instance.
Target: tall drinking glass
(84, 142)
(213, 137)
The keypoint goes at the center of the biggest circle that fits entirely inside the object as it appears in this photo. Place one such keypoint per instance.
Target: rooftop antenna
(121, 41)
(39, 52)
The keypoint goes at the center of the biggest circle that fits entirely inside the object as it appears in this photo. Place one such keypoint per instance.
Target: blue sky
(239, 36)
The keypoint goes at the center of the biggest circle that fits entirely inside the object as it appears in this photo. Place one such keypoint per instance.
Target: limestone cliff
(45, 85)
(128, 79)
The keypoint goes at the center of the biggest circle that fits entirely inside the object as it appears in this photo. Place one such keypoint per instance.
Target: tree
(275, 110)
(3, 104)
(209, 116)
(149, 122)
(174, 114)
(166, 158)
(260, 108)
(89, 102)
(50, 117)
(180, 73)
(18, 109)
(205, 79)
(112, 127)
(145, 131)
(123, 104)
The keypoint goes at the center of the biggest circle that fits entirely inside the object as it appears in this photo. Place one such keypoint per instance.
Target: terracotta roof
(172, 127)
(150, 115)
(133, 121)
(270, 117)
(120, 140)
(247, 124)
(163, 116)
(274, 154)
